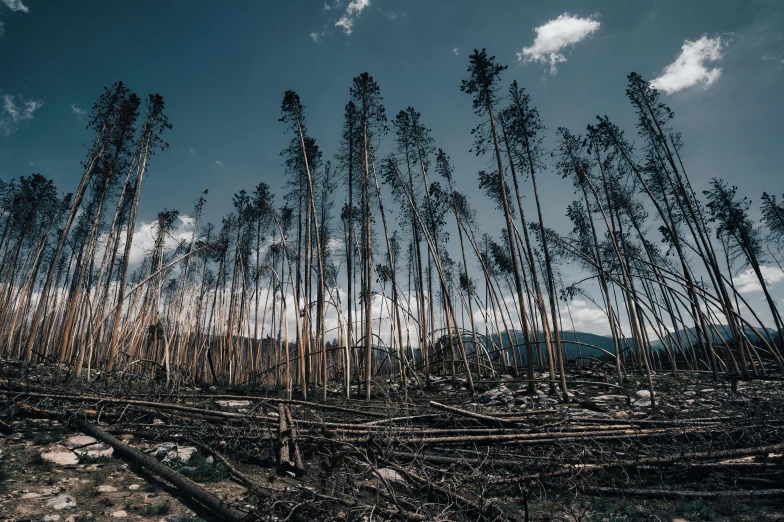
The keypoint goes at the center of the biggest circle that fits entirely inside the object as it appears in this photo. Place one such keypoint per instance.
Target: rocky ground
(706, 452)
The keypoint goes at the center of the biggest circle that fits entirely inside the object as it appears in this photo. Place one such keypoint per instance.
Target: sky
(223, 68)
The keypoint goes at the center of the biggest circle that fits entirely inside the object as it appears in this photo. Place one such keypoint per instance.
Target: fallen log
(284, 459)
(680, 459)
(487, 510)
(242, 478)
(483, 419)
(664, 493)
(298, 463)
(185, 485)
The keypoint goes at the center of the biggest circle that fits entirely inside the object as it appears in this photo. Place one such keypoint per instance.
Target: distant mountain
(578, 344)
(724, 334)
(584, 344)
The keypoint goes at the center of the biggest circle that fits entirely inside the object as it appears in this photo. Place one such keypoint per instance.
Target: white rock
(182, 454)
(610, 397)
(390, 475)
(60, 455)
(161, 450)
(47, 518)
(643, 393)
(170, 451)
(233, 404)
(78, 441)
(500, 394)
(106, 488)
(643, 403)
(120, 514)
(30, 495)
(96, 450)
(133, 487)
(62, 502)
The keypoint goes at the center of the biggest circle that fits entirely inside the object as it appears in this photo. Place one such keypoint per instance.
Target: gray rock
(233, 404)
(96, 450)
(497, 395)
(170, 452)
(78, 441)
(390, 475)
(61, 455)
(62, 502)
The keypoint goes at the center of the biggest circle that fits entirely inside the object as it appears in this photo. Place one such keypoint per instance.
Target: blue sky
(223, 68)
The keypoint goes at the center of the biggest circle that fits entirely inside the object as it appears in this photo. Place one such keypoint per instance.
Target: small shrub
(5, 474)
(163, 509)
(41, 463)
(43, 438)
(188, 517)
(199, 469)
(84, 458)
(730, 506)
(697, 509)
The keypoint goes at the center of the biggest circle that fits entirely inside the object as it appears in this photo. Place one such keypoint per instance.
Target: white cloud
(771, 58)
(145, 233)
(747, 282)
(192, 151)
(80, 113)
(13, 112)
(355, 7)
(346, 23)
(13, 5)
(456, 51)
(586, 317)
(16, 5)
(689, 68)
(315, 36)
(219, 163)
(391, 15)
(335, 5)
(556, 35)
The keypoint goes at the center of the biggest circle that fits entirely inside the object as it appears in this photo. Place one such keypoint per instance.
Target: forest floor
(705, 452)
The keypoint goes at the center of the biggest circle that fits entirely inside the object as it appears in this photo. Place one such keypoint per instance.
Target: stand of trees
(289, 293)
